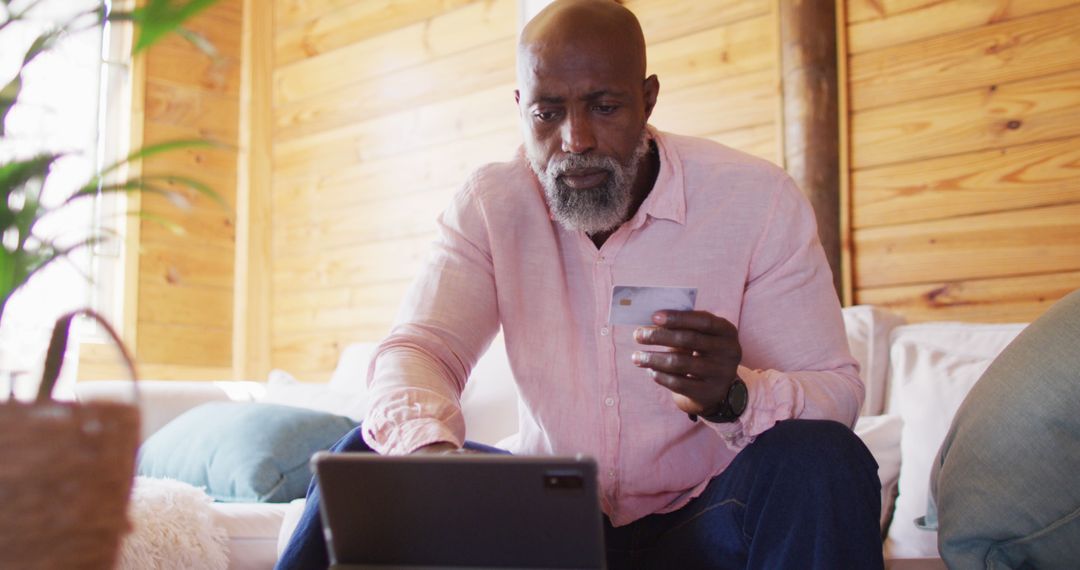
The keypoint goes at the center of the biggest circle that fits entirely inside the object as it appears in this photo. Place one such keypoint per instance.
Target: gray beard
(598, 209)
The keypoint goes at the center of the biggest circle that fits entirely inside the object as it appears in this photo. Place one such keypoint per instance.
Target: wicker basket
(66, 473)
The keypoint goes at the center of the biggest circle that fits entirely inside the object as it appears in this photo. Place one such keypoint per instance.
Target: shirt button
(604, 331)
(609, 402)
(611, 473)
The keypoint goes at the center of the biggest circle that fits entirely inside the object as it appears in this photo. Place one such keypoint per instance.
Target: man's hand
(702, 366)
(441, 448)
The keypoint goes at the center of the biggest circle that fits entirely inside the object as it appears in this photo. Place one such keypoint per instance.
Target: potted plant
(66, 469)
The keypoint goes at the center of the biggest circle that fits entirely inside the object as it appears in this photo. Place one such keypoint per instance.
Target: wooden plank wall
(965, 155)
(184, 320)
(382, 107)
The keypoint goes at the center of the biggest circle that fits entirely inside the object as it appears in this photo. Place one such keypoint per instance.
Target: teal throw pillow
(242, 451)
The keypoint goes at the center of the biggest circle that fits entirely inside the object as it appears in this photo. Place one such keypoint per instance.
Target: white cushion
(868, 329)
(161, 401)
(253, 530)
(350, 375)
(283, 388)
(293, 512)
(490, 399)
(932, 367)
(881, 435)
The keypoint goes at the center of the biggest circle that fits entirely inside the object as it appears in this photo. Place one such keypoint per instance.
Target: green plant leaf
(133, 185)
(9, 95)
(186, 182)
(159, 17)
(164, 222)
(155, 149)
(14, 176)
(199, 41)
(7, 275)
(150, 184)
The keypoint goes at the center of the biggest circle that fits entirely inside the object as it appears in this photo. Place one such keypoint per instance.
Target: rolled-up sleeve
(796, 361)
(446, 321)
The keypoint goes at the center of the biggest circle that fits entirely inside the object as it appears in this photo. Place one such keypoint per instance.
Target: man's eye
(606, 109)
(544, 116)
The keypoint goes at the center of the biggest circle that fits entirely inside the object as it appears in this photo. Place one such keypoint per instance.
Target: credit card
(632, 305)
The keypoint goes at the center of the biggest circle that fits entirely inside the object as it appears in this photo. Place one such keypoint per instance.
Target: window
(62, 107)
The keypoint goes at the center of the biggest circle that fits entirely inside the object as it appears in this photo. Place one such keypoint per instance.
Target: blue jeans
(805, 494)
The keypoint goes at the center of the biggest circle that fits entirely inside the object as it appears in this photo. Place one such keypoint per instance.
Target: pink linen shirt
(733, 226)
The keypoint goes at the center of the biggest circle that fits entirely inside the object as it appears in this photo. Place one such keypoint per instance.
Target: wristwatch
(733, 405)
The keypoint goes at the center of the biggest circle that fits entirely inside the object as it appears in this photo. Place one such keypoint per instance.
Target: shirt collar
(667, 199)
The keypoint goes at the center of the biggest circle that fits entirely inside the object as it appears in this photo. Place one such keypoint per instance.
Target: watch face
(737, 397)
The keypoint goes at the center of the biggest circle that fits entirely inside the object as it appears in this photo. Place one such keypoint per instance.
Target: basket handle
(54, 359)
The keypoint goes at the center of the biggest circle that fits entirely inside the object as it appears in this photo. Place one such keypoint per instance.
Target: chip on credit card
(633, 305)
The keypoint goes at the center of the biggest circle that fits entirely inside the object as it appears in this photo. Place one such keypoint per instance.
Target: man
(686, 418)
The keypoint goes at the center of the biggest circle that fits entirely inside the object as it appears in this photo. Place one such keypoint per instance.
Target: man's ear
(651, 90)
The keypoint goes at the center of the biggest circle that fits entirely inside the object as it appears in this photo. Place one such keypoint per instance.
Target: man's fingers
(683, 338)
(700, 321)
(679, 363)
(695, 390)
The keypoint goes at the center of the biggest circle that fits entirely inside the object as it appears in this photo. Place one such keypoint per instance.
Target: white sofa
(916, 377)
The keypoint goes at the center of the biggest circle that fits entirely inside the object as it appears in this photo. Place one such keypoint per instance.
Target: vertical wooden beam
(811, 121)
(847, 259)
(251, 299)
(132, 202)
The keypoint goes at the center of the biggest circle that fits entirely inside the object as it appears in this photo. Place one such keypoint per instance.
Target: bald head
(584, 102)
(598, 28)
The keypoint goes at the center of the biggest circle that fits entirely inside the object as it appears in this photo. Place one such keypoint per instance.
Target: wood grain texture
(1005, 244)
(290, 13)
(458, 31)
(303, 266)
(1001, 300)
(758, 140)
(1003, 115)
(714, 53)
(102, 362)
(182, 291)
(252, 296)
(300, 303)
(190, 112)
(1026, 176)
(454, 75)
(305, 30)
(312, 355)
(663, 20)
(847, 255)
(862, 10)
(720, 105)
(183, 65)
(305, 189)
(338, 307)
(196, 264)
(184, 345)
(1025, 48)
(188, 305)
(408, 131)
(392, 218)
(906, 21)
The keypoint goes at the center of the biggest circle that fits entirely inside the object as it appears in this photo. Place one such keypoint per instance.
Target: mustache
(559, 166)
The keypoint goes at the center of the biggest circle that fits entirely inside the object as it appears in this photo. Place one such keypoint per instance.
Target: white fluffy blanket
(173, 528)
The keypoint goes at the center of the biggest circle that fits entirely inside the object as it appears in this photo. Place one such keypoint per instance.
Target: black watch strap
(732, 407)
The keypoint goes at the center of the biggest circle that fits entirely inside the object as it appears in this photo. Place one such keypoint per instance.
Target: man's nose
(577, 135)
